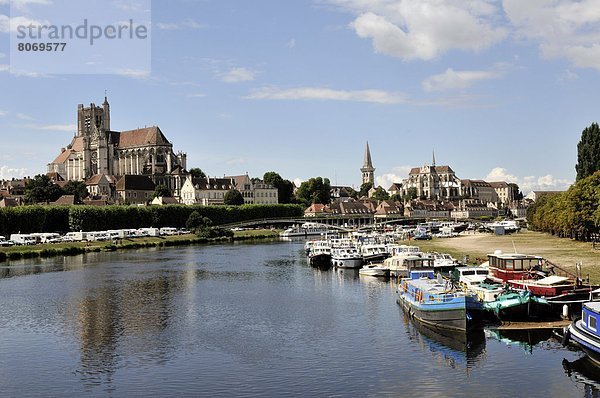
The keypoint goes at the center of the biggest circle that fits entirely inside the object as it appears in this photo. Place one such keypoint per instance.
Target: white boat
(401, 265)
(378, 270)
(508, 225)
(346, 257)
(306, 229)
(320, 254)
(374, 253)
(474, 280)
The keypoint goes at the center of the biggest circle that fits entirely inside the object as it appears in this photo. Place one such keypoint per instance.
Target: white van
(23, 239)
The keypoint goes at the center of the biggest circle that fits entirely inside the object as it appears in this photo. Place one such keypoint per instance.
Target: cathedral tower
(368, 171)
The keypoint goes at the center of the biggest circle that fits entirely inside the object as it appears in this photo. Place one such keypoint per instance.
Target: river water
(247, 320)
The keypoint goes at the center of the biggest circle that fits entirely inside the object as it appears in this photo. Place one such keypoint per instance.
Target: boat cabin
(508, 266)
(590, 317)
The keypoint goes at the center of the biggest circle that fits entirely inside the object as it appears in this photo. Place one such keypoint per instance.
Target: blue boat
(437, 304)
(584, 332)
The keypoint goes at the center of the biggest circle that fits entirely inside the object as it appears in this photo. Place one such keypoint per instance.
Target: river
(247, 320)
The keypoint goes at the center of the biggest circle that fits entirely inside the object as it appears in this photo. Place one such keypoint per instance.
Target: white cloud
(53, 127)
(10, 24)
(396, 175)
(23, 116)
(3, 113)
(298, 181)
(134, 73)
(196, 95)
(291, 43)
(21, 5)
(425, 29)
(562, 28)
(529, 183)
(187, 24)
(2, 55)
(7, 173)
(239, 74)
(452, 80)
(4, 67)
(323, 93)
(236, 161)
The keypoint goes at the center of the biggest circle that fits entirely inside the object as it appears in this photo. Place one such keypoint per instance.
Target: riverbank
(74, 248)
(563, 252)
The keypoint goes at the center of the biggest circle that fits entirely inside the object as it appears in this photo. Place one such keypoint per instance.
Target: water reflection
(584, 371)
(448, 348)
(527, 339)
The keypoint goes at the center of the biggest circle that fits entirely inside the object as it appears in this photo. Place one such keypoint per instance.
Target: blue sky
(501, 90)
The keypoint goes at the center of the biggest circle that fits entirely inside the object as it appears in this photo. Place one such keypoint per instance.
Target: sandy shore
(564, 252)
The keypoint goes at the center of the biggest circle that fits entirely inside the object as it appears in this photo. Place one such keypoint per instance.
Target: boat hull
(346, 262)
(320, 260)
(440, 315)
(588, 342)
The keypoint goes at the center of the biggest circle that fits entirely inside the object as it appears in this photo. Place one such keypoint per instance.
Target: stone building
(433, 182)
(96, 149)
(367, 170)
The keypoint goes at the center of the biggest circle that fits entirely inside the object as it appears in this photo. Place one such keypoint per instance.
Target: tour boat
(306, 229)
(585, 331)
(435, 303)
(346, 257)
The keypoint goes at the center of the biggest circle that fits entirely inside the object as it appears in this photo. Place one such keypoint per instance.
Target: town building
(255, 191)
(96, 149)
(205, 190)
(134, 190)
(433, 182)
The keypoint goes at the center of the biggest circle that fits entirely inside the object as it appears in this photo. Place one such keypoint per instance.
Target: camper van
(23, 239)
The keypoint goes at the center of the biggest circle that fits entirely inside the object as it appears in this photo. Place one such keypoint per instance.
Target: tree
(411, 194)
(77, 189)
(196, 222)
(161, 191)
(396, 197)
(233, 197)
(364, 189)
(285, 188)
(380, 194)
(42, 189)
(197, 173)
(517, 194)
(588, 152)
(315, 190)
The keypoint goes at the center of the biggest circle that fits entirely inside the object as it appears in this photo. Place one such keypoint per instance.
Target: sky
(499, 90)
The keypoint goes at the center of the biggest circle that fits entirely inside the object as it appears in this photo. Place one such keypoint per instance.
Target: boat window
(518, 264)
(592, 323)
(509, 264)
(482, 272)
(469, 273)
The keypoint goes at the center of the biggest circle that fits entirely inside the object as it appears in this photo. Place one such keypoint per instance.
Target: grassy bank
(73, 248)
(564, 252)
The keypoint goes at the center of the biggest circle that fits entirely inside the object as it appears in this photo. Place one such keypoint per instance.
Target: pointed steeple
(368, 171)
(367, 163)
(433, 164)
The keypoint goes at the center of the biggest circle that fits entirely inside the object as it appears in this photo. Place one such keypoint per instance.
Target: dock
(532, 325)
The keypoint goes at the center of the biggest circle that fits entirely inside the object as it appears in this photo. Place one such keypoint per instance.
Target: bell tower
(368, 171)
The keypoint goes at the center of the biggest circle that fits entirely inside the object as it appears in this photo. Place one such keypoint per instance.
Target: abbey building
(98, 150)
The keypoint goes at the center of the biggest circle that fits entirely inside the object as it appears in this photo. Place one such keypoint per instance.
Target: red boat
(549, 286)
(505, 267)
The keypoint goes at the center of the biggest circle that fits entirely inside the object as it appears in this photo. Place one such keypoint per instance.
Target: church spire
(368, 171)
(433, 164)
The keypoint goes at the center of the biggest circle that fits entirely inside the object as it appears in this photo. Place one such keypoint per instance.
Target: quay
(529, 325)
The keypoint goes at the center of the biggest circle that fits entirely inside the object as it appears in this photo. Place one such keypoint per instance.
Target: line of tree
(575, 213)
(41, 189)
(36, 218)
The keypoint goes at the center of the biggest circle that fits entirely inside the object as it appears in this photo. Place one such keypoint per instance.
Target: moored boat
(378, 270)
(435, 303)
(320, 254)
(401, 265)
(346, 257)
(306, 229)
(584, 332)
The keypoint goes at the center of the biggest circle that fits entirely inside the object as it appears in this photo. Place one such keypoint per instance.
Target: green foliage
(42, 190)
(364, 189)
(588, 152)
(197, 173)
(77, 189)
(380, 194)
(233, 197)
(517, 194)
(27, 219)
(162, 191)
(396, 197)
(574, 213)
(315, 190)
(214, 232)
(411, 194)
(196, 221)
(285, 188)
